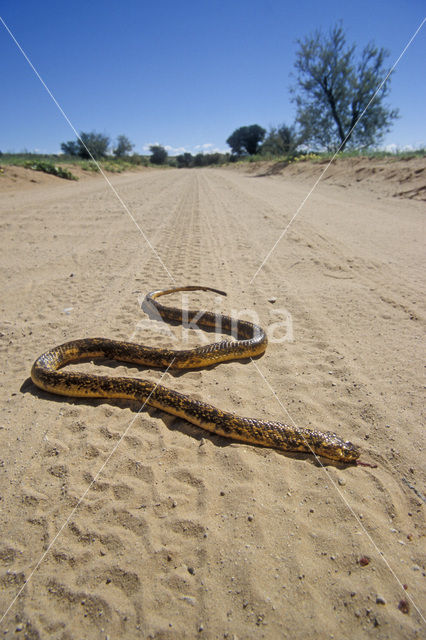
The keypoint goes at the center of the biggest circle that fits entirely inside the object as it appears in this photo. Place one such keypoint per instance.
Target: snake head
(335, 448)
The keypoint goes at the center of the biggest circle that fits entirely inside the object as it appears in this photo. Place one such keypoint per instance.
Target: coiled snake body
(251, 341)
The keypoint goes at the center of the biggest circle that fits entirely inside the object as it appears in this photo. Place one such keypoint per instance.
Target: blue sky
(184, 74)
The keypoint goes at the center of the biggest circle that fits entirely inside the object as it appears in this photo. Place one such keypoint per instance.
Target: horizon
(184, 77)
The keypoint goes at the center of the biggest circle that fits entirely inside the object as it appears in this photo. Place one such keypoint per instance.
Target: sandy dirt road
(185, 534)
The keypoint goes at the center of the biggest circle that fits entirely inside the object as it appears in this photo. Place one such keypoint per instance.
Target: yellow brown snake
(251, 341)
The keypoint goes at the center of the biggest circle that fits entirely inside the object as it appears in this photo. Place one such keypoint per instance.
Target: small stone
(380, 600)
(174, 504)
(250, 518)
(191, 570)
(222, 493)
(364, 561)
(341, 481)
(272, 300)
(415, 567)
(19, 627)
(108, 580)
(201, 627)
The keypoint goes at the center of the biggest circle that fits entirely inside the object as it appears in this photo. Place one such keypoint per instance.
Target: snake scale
(250, 341)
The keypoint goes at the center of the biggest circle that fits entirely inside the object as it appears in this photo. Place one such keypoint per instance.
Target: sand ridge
(185, 534)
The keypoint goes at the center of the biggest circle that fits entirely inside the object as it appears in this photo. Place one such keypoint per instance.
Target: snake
(249, 341)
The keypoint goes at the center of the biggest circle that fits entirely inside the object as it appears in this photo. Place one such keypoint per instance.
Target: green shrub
(88, 165)
(48, 167)
(137, 159)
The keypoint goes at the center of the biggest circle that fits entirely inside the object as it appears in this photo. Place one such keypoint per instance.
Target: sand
(184, 534)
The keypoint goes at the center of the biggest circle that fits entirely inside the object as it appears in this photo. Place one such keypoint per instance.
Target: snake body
(251, 341)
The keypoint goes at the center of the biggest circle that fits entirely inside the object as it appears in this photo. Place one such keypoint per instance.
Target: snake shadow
(173, 423)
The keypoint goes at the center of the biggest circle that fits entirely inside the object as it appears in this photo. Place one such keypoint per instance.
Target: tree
(215, 158)
(282, 140)
(159, 154)
(333, 88)
(246, 139)
(124, 146)
(184, 160)
(201, 160)
(70, 148)
(92, 145)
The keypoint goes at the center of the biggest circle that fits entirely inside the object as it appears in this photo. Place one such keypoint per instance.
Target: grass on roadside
(42, 162)
(109, 163)
(328, 155)
(60, 165)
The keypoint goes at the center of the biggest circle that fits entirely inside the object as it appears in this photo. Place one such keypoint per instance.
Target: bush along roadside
(48, 167)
